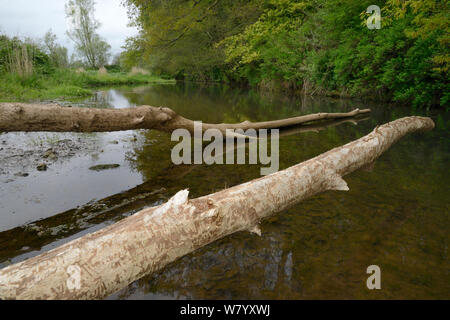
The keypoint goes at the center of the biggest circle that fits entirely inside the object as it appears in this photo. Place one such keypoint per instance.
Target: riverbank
(66, 83)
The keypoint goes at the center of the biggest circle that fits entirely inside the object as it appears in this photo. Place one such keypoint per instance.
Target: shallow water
(396, 216)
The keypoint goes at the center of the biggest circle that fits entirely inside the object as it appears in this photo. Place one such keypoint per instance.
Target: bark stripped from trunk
(111, 207)
(111, 258)
(52, 117)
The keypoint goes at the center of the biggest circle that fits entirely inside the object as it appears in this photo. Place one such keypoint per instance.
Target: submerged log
(55, 118)
(106, 261)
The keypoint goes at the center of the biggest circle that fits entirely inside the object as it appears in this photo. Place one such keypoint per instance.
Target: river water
(395, 216)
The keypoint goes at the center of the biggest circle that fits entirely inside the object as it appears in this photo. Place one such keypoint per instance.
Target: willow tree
(89, 45)
(179, 37)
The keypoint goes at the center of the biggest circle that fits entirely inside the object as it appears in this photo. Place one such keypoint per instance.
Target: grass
(65, 83)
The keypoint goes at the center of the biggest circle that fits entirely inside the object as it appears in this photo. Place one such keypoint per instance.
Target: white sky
(33, 18)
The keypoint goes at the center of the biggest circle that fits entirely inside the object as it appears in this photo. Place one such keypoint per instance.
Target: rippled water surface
(395, 216)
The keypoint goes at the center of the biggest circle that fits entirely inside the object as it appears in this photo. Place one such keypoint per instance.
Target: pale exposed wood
(83, 217)
(55, 118)
(115, 256)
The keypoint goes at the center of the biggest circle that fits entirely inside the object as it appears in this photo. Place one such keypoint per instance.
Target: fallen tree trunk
(108, 209)
(106, 261)
(55, 118)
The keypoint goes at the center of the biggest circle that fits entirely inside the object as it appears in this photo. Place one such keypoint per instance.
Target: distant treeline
(312, 46)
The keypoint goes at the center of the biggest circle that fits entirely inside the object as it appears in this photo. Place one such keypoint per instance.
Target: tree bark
(111, 258)
(55, 118)
(85, 216)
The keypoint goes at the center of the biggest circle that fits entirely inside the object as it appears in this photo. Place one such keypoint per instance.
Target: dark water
(396, 216)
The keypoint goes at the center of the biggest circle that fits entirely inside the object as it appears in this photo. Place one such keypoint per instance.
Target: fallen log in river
(39, 233)
(106, 261)
(55, 118)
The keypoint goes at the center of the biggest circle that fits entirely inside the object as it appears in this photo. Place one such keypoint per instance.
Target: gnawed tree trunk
(115, 256)
(108, 209)
(52, 117)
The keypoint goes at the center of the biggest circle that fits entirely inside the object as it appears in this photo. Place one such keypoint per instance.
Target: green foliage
(179, 37)
(90, 46)
(57, 53)
(319, 46)
(279, 19)
(29, 73)
(134, 56)
(113, 68)
(65, 83)
(430, 19)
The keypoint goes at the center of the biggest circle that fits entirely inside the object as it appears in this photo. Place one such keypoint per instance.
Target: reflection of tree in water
(322, 247)
(296, 144)
(317, 249)
(215, 104)
(238, 266)
(152, 156)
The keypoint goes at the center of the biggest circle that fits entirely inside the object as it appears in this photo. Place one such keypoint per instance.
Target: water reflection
(395, 216)
(109, 99)
(27, 195)
(79, 220)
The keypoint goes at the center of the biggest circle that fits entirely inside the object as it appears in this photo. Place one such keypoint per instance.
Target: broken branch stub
(111, 258)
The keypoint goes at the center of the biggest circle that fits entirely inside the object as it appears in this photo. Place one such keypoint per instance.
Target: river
(395, 216)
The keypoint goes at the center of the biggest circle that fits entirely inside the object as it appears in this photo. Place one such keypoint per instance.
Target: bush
(113, 68)
(23, 58)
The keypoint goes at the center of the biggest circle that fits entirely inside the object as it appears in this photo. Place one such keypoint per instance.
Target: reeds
(20, 61)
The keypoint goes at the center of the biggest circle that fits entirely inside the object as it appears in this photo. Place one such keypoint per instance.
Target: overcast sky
(33, 18)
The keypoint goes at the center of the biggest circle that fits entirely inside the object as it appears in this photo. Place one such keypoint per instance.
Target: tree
(57, 53)
(23, 56)
(51, 117)
(90, 46)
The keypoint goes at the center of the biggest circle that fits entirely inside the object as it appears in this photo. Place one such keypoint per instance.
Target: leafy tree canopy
(316, 46)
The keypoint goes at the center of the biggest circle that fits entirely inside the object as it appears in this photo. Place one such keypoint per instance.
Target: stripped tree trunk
(52, 117)
(103, 262)
(113, 206)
